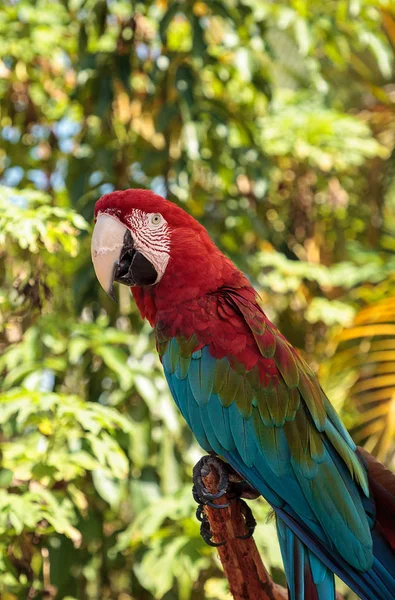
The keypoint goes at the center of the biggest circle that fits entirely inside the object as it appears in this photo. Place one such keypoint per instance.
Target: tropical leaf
(367, 349)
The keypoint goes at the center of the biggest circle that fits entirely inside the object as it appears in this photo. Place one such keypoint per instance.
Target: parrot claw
(249, 521)
(229, 482)
(205, 530)
(202, 498)
(202, 469)
(200, 513)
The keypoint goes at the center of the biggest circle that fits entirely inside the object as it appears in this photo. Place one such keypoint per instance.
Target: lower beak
(115, 258)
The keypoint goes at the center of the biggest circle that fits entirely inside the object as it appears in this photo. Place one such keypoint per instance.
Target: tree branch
(243, 567)
(248, 577)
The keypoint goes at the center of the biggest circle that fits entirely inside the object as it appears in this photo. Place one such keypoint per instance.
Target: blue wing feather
(243, 435)
(304, 497)
(308, 577)
(219, 419)
(201, 376)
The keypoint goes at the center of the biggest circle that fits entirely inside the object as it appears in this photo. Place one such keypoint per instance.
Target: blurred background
(273, 123)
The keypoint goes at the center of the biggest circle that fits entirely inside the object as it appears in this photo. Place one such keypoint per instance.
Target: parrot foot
(249, 521)
(202, 469)
(205, 529)
(239, 488)
(229, 482)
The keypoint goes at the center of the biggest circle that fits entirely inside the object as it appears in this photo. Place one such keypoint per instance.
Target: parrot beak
(107, 242)
(115, 258)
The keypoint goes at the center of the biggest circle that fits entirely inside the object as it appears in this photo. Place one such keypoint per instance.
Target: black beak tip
(111, 293)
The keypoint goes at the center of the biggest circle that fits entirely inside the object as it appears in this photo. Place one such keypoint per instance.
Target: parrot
(250, 398)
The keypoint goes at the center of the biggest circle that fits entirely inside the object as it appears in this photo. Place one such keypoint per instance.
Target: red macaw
(249, 397)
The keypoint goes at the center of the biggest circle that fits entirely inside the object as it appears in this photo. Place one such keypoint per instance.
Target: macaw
(249, 397)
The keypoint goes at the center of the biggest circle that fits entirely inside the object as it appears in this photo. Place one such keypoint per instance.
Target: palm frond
(367, 348)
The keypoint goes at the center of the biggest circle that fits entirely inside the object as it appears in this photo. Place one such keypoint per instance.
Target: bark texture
(243, 567)
(248, 577)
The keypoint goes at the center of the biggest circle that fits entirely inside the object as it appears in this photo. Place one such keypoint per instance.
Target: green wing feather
(285, 435)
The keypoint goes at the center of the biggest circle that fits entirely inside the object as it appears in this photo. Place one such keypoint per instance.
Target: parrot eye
(156, 219)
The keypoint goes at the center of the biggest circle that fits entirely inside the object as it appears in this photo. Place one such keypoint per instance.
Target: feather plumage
(248, 395)
(275, 422)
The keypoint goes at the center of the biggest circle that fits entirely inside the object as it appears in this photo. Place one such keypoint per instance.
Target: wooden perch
(248, 578)
(243, 567)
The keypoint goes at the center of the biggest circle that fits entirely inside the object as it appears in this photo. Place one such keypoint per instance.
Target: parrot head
(153, 246)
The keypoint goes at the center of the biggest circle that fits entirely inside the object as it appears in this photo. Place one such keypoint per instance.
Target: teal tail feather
(377, 583)
(307, 576)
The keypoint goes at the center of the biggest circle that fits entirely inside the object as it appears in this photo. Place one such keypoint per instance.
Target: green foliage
(308, 132)
(32, 223)
(365, 360)
(272, 123)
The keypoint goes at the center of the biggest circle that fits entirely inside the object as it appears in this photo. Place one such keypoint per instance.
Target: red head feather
(196, 266)
(121, 204)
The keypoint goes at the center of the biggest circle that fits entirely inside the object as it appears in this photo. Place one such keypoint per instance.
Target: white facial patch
(151, 235)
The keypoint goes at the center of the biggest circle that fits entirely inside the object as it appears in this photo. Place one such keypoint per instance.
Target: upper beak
(115, 258)
(107, 242)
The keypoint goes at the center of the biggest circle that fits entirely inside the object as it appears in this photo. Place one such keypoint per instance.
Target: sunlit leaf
(368, 349)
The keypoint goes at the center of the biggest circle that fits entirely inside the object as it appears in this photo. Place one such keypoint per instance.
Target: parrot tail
(309, 560)
(307, 576)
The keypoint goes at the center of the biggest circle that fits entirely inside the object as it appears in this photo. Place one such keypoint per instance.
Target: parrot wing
(281, 434)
